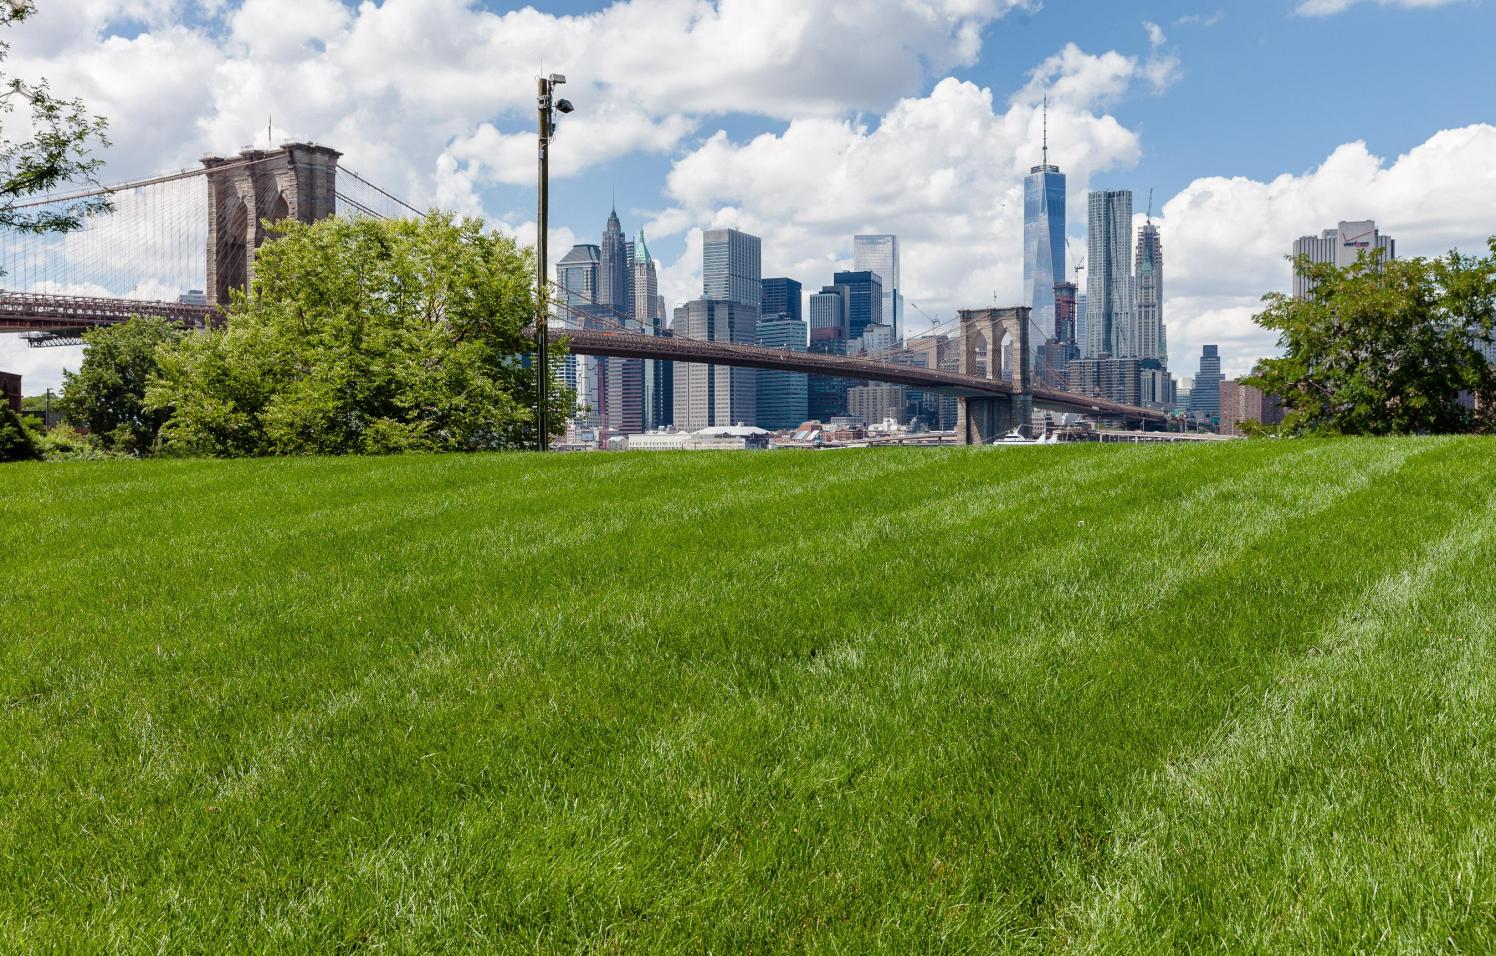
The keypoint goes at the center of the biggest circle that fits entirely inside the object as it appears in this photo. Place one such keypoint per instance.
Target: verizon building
(1341, 246)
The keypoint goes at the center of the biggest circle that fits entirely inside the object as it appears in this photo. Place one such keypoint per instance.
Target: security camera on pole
(548, 111)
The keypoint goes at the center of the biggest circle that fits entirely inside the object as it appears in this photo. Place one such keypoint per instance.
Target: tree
(16, 440)
(107, 393)
(363, 337)
(61, 133)
(1383, 348)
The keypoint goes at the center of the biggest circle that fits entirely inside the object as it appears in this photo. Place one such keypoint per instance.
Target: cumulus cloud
(1085, 81)
(1225, 239)
(943, 171)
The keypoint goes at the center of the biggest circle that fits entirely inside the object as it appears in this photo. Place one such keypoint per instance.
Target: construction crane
(1080, 265)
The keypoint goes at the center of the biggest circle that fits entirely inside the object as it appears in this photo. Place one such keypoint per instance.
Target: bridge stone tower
(980, 420)
(297, 181)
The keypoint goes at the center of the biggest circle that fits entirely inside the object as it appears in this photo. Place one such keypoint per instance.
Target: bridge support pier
(1001, 332)
(297, 181)
(980, 421)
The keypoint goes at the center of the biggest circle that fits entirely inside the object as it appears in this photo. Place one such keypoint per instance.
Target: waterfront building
(877, 402)
(783, 397)
(1243, 403)
(708, 395)
(879, 254)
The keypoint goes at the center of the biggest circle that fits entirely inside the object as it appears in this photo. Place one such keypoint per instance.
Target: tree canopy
(1385, 347)
(362, 337)
(55, 150)
(107, 393)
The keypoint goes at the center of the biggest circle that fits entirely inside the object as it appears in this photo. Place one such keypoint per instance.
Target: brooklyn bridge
(200, 228)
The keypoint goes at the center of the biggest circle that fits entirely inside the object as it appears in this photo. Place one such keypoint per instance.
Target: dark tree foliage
(16, 440)
(107, 393)
(1385, 348)
(54, 152)
(363, 337)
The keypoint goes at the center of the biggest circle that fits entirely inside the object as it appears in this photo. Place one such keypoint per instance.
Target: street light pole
(547, 109)
(542, 219)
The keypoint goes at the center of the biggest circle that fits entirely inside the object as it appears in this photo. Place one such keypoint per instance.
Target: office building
(193, 297)
(783, 397)
(829, 310)
(934, 351)
(876, 340)
(1110, 323)
(1131, 381)
(877, 402)
(1152, 341)
(1243, 403)
(574, 306)
(828, 315)
(1080, 319)
(782, 297)
(1340, 246)
(879, 254)
(1043, 246)
(649, 312)
(732, 267)
(864, 300)
(708, 395)
(613, 279)
(1205, 394)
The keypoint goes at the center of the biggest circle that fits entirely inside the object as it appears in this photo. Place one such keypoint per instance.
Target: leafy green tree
(363, 337)
(56, 150)
(16, 441)
(1385, 348)
(107, 393)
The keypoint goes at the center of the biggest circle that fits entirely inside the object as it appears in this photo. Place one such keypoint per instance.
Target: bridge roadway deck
(26, 312)
(671, 348)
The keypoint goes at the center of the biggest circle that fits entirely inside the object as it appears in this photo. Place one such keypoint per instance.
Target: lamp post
(547, 127)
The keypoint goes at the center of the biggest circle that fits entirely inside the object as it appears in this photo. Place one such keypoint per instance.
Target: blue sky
(808, 120)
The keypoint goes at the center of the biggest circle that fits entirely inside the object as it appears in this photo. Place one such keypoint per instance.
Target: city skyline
(931, 146)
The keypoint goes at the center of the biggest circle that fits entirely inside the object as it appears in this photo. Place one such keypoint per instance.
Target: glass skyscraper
(1110, 322)
(782, 297)
(732, 267)
(1205, 396)
(1043, 248)
(880, 254)
(782, 396)
(864, 300)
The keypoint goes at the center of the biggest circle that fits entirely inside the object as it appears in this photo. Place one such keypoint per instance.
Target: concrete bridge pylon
(1005, 335)
(297, 181)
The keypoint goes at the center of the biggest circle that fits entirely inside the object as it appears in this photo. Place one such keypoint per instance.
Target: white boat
(1015, 437)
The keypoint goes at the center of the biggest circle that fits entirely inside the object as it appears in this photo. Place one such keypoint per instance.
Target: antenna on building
(1150, 205)
(1046, 129)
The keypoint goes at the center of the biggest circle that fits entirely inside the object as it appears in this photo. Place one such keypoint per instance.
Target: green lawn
(1238, 698)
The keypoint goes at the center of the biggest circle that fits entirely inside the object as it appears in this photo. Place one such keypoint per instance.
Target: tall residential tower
(1110, 322)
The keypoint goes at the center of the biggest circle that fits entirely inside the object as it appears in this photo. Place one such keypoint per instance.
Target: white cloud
(1225, 239)
(943, 171)
(1322, 8)
(1084, 81)
(1155, 33)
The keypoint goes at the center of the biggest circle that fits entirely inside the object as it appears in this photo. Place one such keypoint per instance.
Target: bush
(17, 443)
